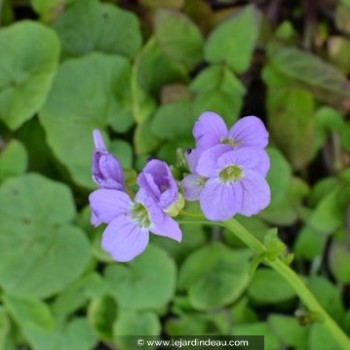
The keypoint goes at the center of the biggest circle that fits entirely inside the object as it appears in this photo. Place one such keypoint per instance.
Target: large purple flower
(130, 222)
(234, 186)
(158, 182)
(106, 170)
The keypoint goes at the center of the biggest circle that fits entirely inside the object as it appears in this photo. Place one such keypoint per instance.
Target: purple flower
(106, 170)
(130, 222)
(158, 182)
(211, 131)
(234, 186)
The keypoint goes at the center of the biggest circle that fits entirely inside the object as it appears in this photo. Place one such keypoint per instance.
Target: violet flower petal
(249, 131)
(220, 201)
(192, 185)
(123, 239)
(107, 204)
(168, 227)
(256, 193)
(209, 130)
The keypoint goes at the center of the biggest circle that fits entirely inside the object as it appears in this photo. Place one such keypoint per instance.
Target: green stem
(294, 280)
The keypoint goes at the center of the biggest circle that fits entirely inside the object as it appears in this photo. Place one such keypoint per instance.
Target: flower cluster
(129, 221)
(228, 167)
(226, 173)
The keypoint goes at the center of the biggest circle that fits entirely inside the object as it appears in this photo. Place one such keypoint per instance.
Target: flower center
(230, 173)
(228, 141)
(140, 215)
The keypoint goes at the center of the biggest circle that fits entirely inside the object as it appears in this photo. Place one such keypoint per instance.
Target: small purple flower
(130, 222)
(234, 185)
(106, 170)
(193, 183)
(158, 182)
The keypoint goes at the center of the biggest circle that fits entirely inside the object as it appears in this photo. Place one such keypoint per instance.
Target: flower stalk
(294, 280)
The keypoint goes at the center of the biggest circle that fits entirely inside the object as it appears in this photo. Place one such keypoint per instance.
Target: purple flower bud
(158, 182)
(106, 170)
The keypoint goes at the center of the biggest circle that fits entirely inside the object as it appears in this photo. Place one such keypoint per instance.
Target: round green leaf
(40, 252)
(28, 62)
(147, 282)
(214, 276)
(340, 261)
(279, 174)
(234, 40)
(130, 326)
(173, 120)
(268, 280)
(89, 92)
(101, 315)
(13, 160)
(185, 44)
(88, 25)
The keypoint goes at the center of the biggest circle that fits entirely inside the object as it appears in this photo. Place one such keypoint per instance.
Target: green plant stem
(294, 280)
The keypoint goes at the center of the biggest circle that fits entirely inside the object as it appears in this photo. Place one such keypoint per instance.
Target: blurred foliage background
(142, 72)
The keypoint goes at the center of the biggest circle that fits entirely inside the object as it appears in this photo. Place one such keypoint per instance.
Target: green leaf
(271, 341)
(173, 121)
(287, 210)
(183, 45)
(268, 280)
(88, 25)
(345, 137)
(328, 296)
(322, 79)
(6, 337)
(278, 176)
(199, 324)
(89, 92)
(147, 282)
(130, 326)
(214, 276)
(144, 140)
(75, 335)
(154, 4)
(77, 295)
(329, 213)
(339, 261)
(288, 330)
(154, 69)
(339, 52)
(48, 9)
(234, 40)
(13, 160)
(28, 63)
(217, 89)
(292, 123)
(193, 236)
(102, 313)
(309, 243)
(321, 339)
(29, 312)
(37, 240)
(122, 150)
(342, 13)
